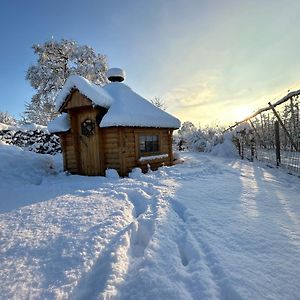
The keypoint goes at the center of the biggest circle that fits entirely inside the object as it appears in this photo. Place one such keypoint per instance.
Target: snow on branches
(33, 138)
(7, 119)
(198, 139)
(57, 60)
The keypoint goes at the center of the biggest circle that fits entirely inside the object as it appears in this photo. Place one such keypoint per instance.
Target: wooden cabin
(111, 127)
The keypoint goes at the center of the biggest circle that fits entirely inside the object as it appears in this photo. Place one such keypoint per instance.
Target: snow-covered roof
(92, 91)
(60, 123)
(130, 109)
(125, 107)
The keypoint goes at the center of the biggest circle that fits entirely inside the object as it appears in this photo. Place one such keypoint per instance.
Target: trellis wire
(256, 136)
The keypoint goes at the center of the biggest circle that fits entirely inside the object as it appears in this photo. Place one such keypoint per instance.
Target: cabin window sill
(147, 159)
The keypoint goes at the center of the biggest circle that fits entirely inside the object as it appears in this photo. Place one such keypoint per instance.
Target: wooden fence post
(277, 143)
(239, 146)
(242, 149)
(283, 127)
(252, 150)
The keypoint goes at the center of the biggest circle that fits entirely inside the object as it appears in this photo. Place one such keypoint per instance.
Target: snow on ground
(23, 128)
(210, 228)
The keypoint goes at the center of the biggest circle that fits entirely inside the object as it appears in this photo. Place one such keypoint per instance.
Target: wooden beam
(284, 99)
(283, 127)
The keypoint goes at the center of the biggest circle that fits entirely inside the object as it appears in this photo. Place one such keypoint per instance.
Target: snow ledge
(152, 157)
(60, 124)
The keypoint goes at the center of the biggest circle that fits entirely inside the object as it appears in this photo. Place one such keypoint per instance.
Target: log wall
(111, 145)
(67, 144)
(121, 148)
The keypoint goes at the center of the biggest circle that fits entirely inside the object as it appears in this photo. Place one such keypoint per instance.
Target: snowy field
(210, 228)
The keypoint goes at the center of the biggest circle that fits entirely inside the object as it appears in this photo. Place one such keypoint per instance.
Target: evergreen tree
(57, 60)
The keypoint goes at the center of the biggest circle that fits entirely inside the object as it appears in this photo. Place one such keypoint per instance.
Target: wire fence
(272, 134)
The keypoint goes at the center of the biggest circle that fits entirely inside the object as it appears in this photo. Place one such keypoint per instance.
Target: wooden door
(89, 143)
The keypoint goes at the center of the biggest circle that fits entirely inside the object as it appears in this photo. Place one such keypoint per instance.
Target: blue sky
(211, 61)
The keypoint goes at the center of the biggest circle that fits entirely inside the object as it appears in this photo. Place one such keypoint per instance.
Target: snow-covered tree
(6, 118)
(57, 60)
(197, 138)
(190, 137)
(186, 129)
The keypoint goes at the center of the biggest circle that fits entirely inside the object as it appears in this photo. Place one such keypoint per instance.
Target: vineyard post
(283, 127)
(277, 143)
(293, 115)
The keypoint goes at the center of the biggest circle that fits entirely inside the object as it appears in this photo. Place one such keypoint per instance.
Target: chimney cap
(115, 75)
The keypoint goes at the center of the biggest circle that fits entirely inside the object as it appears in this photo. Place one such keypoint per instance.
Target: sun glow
(241, 113)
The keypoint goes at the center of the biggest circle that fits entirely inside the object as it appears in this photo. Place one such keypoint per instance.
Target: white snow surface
(24, 127)
(60, 124)
(125, 107)
(5, 126)
(153, 157)
(209, 228)
(92, 91)
(112, 174)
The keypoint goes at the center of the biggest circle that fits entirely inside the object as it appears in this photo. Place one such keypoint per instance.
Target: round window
(88, 127)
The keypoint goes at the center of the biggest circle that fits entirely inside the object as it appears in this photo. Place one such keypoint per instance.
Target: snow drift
(210, 228)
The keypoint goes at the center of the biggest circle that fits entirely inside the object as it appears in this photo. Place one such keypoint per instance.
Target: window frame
(146, 134)
(150, 144)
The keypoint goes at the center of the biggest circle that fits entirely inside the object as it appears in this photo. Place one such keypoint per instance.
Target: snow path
(211, 228)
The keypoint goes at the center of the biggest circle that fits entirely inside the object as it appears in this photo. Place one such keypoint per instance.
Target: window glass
(149, 144)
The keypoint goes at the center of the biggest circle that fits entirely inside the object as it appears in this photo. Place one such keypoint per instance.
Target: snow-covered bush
(33, 138)
(208, 139)
(198, 139)
(225, 147)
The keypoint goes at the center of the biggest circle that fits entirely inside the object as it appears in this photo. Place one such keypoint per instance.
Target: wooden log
(111, 145)
(130, 158)
(112, 156)
(110, 137)
(112, 160)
